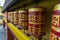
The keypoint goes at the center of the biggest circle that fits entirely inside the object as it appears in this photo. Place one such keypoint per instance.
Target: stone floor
(2, 33)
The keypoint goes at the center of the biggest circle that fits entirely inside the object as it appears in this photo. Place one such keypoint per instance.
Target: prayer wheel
(12, 17)
(9, 16)
(23, 19)
(55, 26)
(36, 19)
(5, 15)
(15, 18)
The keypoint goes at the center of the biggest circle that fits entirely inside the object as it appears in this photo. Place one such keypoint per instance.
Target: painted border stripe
(56, 29)
(55, 33)
(57, 12)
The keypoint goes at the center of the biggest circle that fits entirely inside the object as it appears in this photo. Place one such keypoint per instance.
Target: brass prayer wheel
(36, 20)
(12, 17)
(15, 17)
(55, 26)
(23, 18)
(9, 16)
(4, 15)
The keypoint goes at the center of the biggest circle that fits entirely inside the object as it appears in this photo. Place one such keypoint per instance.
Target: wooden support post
(9, 34)
(3, 24)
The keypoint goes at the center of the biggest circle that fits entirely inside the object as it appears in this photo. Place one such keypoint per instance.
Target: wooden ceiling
(30, 3)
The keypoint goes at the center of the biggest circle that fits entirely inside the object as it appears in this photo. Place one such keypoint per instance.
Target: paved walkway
(2, 33)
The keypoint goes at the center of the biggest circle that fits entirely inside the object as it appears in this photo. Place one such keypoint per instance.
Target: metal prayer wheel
(23, 19)
(55, 26)
(4, 15)
(9, 16)
(15, 17)
(36, 20)
(12, 17)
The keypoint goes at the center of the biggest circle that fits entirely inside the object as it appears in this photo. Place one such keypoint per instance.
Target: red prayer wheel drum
(23, 18)
(9, 16)
(15, 17)
(12, 17)
(36, 20)
(55, 29)
(4, 15)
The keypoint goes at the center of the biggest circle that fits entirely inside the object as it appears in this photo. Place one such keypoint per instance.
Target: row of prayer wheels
(33, 20)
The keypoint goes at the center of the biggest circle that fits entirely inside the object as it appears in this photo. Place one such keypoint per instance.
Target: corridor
(2, 33)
